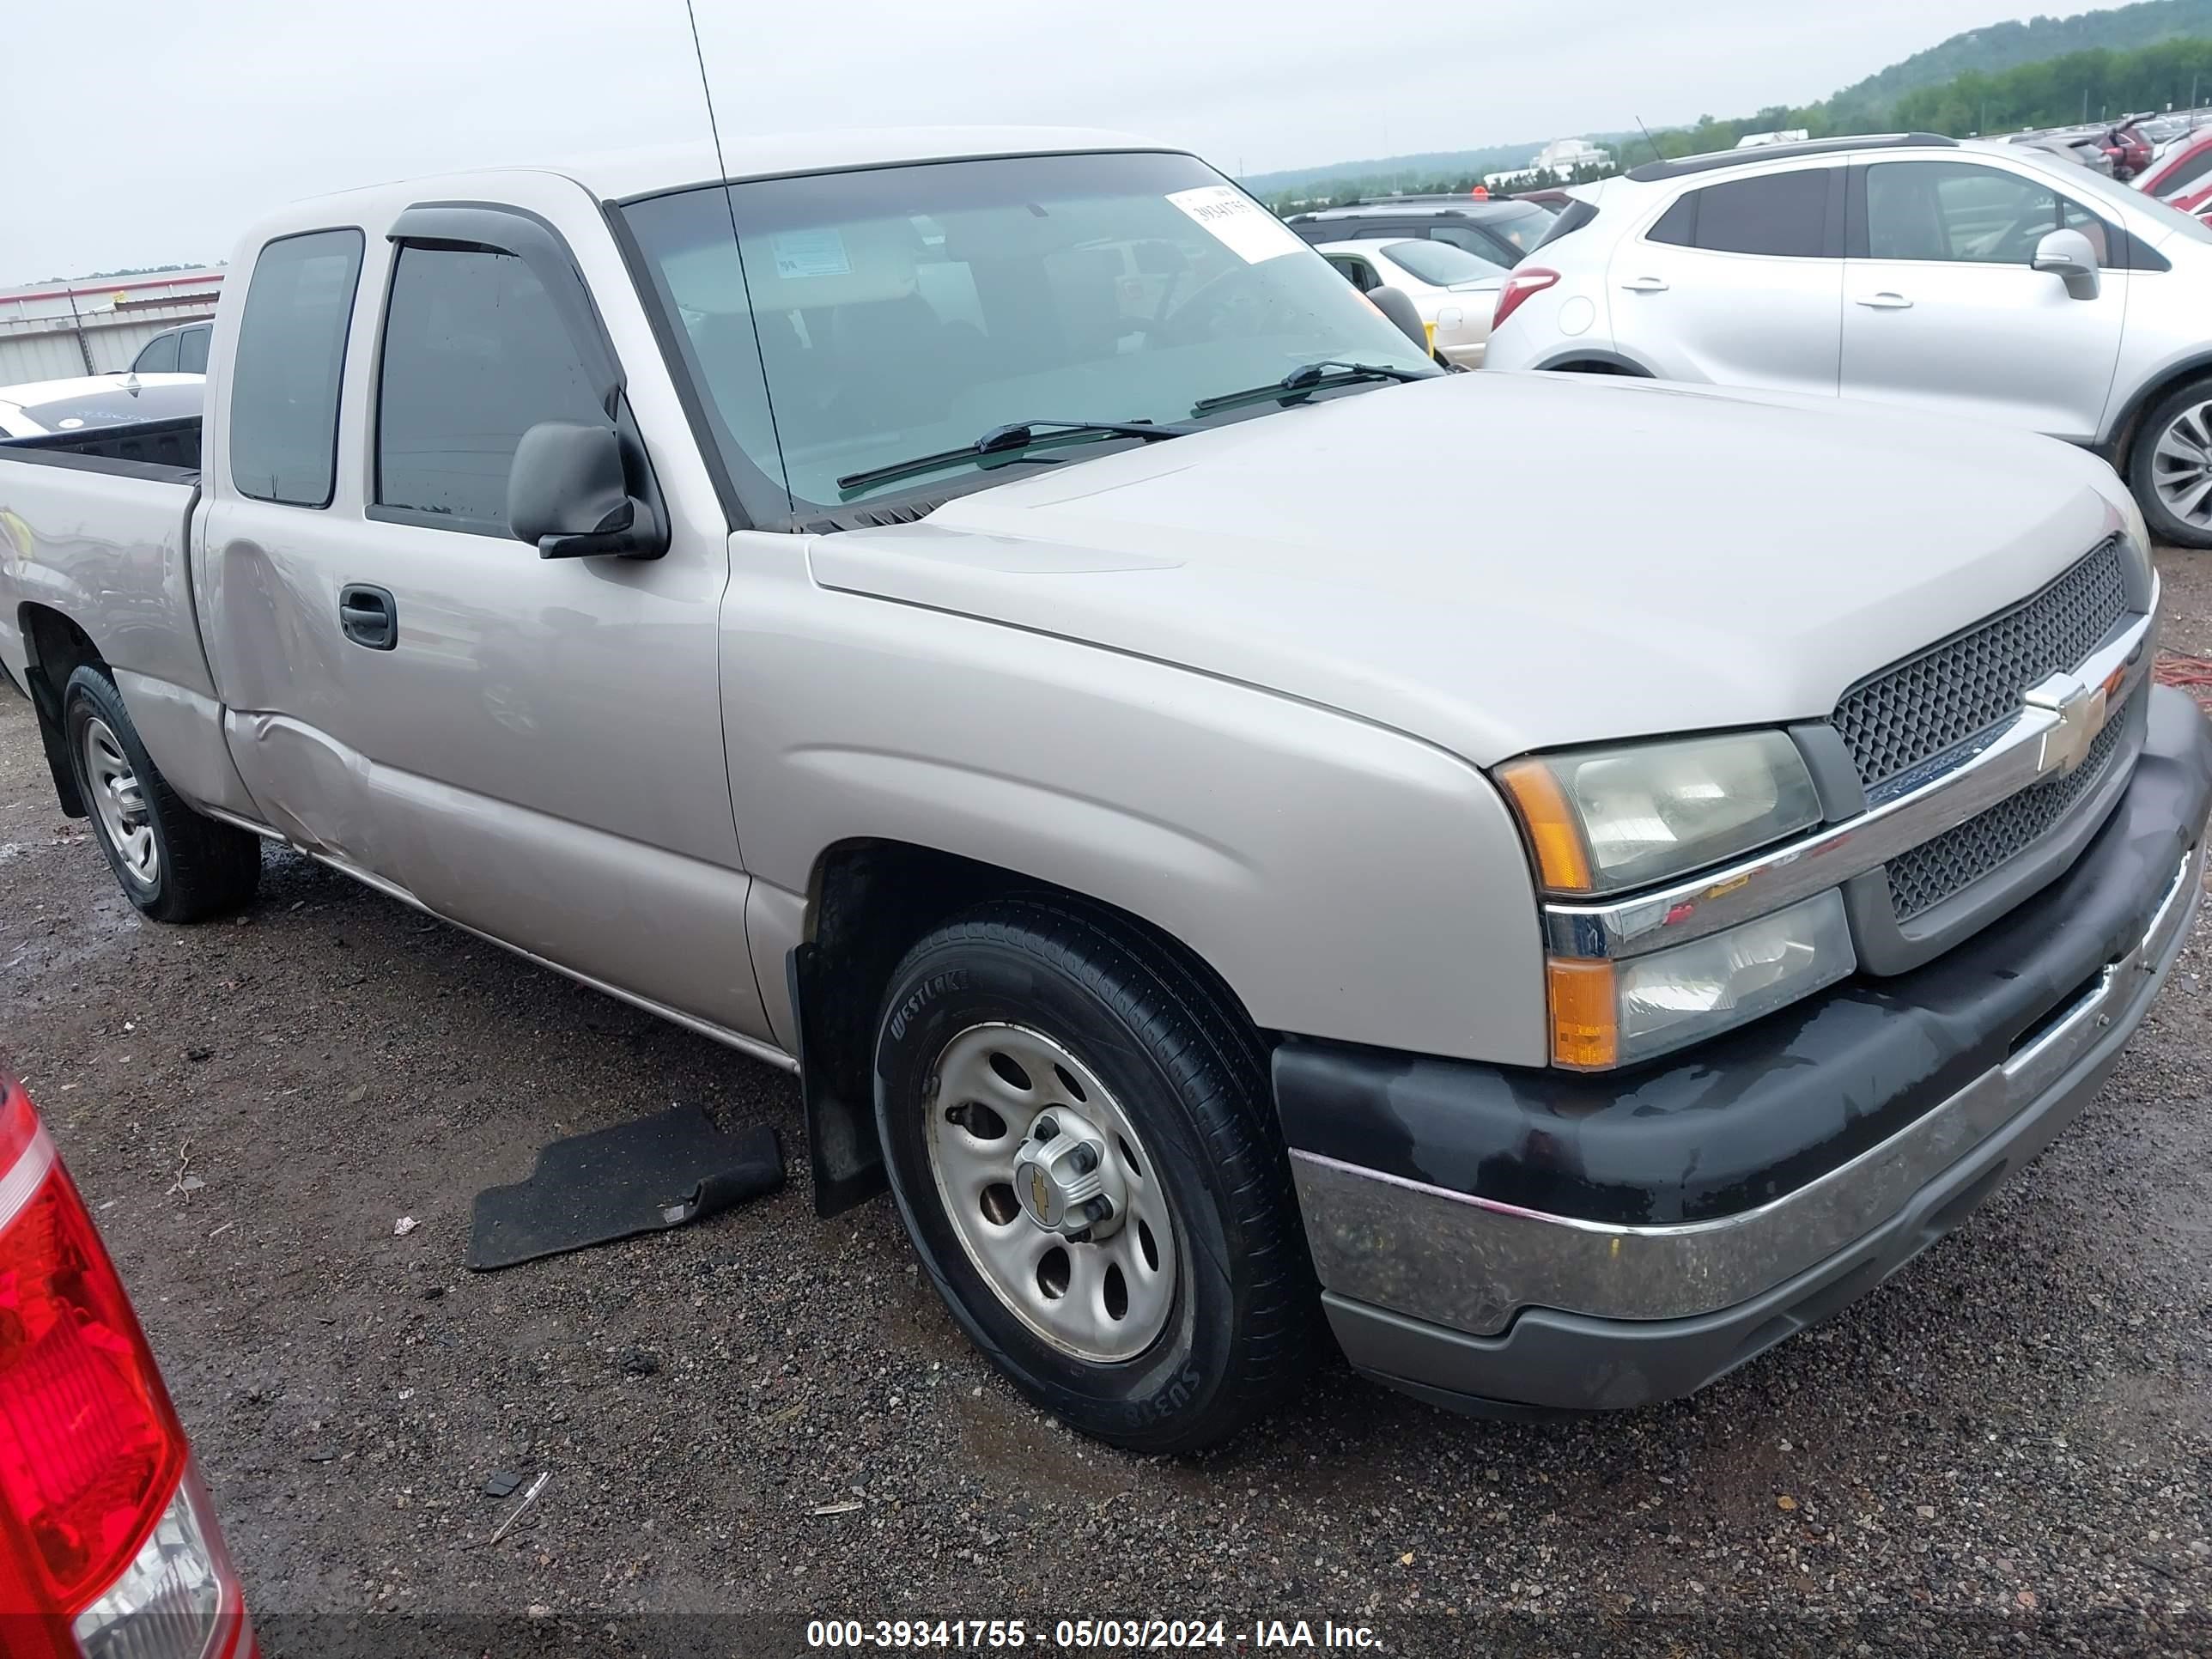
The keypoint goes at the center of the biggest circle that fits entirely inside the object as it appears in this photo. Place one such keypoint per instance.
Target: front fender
(1345, 880)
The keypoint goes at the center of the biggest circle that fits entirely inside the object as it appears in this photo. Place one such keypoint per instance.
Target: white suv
(1985, 280)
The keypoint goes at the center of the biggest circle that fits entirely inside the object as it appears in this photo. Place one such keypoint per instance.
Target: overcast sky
(145, 132)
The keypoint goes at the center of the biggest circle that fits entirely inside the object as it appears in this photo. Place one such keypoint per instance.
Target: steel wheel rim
(1101, 1300)
(119, 801)
(2181, 466)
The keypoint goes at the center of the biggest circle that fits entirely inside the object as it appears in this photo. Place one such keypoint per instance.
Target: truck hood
(1502, 562)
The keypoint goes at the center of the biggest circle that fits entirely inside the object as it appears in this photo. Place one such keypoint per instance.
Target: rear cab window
(291, 360)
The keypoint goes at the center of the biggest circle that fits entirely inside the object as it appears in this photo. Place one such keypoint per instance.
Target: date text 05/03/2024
(1081, 1635)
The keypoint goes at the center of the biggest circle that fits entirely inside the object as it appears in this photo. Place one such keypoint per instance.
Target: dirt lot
(2008, 1447)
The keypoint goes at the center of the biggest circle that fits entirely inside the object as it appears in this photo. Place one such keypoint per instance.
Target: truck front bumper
(1495, 1239)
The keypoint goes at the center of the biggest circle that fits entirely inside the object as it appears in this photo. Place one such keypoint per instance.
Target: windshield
(117, 407)
(1440, 263)
(896, 312)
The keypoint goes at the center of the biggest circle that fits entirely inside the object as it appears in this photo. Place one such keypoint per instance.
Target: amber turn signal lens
(1585, 1015)
(1554, 834)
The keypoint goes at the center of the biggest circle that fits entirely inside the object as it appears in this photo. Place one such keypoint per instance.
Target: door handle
(1645, 285)
(1885, 301)
(368, 616)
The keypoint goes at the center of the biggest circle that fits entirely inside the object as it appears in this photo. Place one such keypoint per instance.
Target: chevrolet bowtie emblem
(2081, 711)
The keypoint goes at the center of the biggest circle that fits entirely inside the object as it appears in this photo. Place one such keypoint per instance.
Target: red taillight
(1524, 281)
(106, 1546)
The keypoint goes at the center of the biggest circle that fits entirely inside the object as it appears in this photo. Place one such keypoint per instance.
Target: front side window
(867, 318)
(1957, 212)
(1440, 264)
(474, 357)
(159, 357)
(291, 360)
(192, 350)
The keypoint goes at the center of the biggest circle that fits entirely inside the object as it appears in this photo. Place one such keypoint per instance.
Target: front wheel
(1080, 1140)
(2170, 469)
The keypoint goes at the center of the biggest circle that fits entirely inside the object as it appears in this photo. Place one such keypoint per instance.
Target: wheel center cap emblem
(1040, 1196)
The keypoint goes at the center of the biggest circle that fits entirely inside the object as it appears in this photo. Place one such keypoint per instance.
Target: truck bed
(94, 526)
(169, 446)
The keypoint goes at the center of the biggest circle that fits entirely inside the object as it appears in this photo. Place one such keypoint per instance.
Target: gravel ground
(2006, 1448)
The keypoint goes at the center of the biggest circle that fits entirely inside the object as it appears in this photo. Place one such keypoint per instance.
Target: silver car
(1988, 280)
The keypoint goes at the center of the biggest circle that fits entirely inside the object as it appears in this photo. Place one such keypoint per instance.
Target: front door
(532, 747)
(1942, 306)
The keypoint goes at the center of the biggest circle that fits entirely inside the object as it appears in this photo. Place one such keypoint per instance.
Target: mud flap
(842, 1148)
(47, 705)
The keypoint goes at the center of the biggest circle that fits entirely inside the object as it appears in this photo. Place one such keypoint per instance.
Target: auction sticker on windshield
(1237, 222)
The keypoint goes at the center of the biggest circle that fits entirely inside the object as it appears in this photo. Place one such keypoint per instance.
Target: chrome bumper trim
(2045, 737)
(1471, 1263)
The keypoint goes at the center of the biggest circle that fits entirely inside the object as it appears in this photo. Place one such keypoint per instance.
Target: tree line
(2079, 86)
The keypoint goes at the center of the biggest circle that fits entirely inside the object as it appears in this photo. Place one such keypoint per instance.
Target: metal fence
(96, 326)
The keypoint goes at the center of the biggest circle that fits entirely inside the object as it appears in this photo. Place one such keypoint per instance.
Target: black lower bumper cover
(1751, 1117)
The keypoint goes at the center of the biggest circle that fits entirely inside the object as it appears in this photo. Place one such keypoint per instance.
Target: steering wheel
(1207, 313)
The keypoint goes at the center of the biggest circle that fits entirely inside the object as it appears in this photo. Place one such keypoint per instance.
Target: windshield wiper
(1003, 440)
(1307, 379)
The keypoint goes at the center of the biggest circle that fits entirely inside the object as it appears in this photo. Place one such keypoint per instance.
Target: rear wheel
(173, 864)
(2169, 470)
(1081, 1143)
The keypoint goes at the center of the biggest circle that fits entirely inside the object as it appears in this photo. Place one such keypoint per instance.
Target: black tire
(201, 868)
(1191, 1076)
(2143, 460)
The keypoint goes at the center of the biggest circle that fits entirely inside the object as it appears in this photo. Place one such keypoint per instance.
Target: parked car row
(1985, 280)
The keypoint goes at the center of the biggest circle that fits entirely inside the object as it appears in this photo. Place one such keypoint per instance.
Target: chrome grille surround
(1930, 704)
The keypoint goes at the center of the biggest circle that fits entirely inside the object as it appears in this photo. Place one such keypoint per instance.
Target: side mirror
(2067, 253)
(569, 495)
(1400, 309)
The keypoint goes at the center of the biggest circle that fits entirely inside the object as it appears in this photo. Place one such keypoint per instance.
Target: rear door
(1738, 283)
(1944, 309)
(531, 746)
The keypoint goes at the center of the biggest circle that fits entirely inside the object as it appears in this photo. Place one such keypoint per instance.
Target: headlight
(1604, 819)
(1612, 1013)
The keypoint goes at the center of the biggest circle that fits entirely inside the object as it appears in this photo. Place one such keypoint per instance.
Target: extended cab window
(474, 357)
(1781, 214)
(291, 356)
(192, 350)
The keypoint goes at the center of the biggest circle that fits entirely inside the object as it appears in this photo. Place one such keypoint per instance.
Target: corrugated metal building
(94, 326)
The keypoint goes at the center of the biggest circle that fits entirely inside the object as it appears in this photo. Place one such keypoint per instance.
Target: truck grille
(1954, 861)
(1936, 701)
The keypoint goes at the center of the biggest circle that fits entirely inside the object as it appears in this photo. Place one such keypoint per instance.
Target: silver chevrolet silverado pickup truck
(984, 620)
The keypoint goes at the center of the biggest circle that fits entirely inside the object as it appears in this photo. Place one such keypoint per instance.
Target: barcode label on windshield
(1237, 222)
